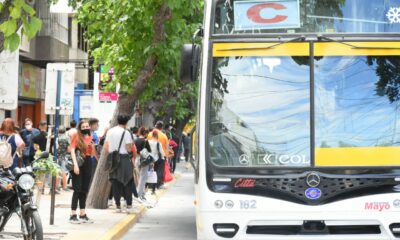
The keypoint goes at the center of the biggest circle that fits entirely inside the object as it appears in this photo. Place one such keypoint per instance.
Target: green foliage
(46, 166)
(121, 35)
(17, 13)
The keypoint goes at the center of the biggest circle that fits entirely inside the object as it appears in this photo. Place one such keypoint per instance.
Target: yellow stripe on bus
(340, 49)
(357, 156)
(260, 49)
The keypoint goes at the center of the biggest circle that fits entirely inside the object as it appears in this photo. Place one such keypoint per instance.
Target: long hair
(7, 127)
(81, 142)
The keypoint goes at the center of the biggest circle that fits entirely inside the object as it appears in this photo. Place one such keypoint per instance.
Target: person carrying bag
(118, 145)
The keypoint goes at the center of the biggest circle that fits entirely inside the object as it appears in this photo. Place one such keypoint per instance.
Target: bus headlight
(218, 204)
(229, 204)
(26, 182)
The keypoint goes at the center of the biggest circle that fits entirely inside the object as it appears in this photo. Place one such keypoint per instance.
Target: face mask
(86, 132)
(28, 127)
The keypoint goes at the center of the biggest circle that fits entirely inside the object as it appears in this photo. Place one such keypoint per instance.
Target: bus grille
(331, 188)
(313, 228)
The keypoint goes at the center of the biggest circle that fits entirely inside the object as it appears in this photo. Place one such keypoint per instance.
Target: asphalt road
(173, 218)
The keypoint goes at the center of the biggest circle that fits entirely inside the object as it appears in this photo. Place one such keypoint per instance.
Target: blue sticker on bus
(313, 193)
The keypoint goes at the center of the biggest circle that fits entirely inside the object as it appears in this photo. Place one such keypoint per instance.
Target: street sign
(266, 14)
(67, 88)
(9, 80)
(86, 106)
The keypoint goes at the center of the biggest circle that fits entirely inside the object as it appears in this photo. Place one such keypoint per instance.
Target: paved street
(174, 216)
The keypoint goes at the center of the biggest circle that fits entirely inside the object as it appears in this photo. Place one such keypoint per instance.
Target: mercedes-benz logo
(313, 179)
(244, 159)
(396, 203)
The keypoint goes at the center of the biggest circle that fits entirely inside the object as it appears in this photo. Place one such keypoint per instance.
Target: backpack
(63, 144)
(6, 158)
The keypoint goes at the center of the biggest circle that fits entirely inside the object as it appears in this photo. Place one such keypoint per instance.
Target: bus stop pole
(57, 124)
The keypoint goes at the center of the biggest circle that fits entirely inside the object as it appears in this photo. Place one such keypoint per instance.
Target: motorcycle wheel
(34, 225)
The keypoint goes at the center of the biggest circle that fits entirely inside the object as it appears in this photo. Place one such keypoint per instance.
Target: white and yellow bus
(298, 129)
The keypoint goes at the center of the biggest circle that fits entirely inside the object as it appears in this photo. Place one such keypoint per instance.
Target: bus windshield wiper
(297, 39)
(351, 45)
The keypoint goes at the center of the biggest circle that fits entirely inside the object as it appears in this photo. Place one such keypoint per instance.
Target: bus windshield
(260, 112)
(306, 16)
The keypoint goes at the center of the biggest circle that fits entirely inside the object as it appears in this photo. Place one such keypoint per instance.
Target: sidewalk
(107, 223)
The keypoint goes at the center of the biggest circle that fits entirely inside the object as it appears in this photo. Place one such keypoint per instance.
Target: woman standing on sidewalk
(81, 175)
(141, 143)
(158, 155)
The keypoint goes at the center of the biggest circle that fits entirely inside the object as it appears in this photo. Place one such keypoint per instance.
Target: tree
(13, 15)
(141, 40)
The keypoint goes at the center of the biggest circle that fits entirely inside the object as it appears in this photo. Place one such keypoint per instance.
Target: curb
(122, 227)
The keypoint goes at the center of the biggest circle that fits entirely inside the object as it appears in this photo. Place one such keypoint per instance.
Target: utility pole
(57, 125)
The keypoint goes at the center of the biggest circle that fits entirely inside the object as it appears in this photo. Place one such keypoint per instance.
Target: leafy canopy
(14, 14)
(120, 34)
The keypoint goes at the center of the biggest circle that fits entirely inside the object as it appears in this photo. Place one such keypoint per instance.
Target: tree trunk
(100, 188)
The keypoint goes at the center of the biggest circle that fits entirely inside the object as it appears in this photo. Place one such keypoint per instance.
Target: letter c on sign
(254, 13)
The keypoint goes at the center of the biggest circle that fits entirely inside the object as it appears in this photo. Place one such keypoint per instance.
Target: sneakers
(110, 202)
(85, 219)
(118, 209)
(142, 198)
(131, 210)
(74, 219)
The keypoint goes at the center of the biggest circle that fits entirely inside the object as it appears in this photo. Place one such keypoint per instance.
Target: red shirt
(88, 141)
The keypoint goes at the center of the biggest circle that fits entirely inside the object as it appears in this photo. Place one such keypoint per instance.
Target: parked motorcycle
(16, 193)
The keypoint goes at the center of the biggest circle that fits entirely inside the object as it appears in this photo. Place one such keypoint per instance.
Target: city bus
(298, 123)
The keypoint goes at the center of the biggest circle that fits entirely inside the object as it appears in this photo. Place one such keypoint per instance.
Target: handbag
(70, 163)
(113, 158)
(145, 158)
(151, 176)
(167, 173)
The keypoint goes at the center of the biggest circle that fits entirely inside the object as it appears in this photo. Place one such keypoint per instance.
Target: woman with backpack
(82, 150)
(141, 143)
(10, 140)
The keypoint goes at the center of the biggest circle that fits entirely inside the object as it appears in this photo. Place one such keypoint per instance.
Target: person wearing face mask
(94, 126)
(40, 140)
(81, 175)
(27, 135)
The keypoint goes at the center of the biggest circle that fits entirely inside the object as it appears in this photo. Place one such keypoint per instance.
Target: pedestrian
(141, 143)
(8, 133)
(81, 141)
(158, 155)
(27, 134)
(186, 146)
(135, 172)
(72, 131)
(62, 152)
(160, 165)
(40, 140)
(118, 139)
(94, 126)
(135, 132)
(175, 147)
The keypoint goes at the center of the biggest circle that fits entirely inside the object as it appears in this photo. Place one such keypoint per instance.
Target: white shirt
(154, 150)
(71, 133)
(114, 137)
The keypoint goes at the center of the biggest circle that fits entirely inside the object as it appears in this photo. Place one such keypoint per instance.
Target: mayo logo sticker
(377, 206)
(266, 14)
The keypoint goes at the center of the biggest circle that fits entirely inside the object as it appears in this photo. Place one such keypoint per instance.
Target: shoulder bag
(70, 163)
(113, 158)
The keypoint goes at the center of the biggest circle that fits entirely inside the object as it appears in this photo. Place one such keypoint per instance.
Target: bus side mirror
(190, 59)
